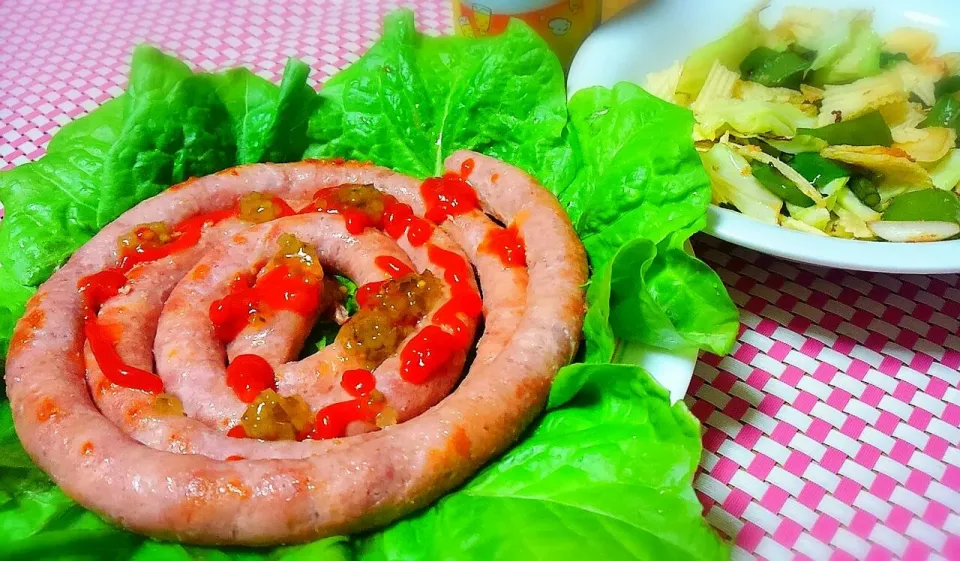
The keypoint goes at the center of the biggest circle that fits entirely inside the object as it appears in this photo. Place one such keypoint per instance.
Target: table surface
(831, 432)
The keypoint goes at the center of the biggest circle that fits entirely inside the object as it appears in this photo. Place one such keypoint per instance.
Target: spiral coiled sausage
(132, 385)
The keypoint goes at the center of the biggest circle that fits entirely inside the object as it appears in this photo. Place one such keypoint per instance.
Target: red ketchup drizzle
(281, 289)
(358, 382)
(231, 313)
(187, 235)
(389, 265)
(365, 292)
(506, 244)
(356, 221)
(248, 375)
(396, 218)
(278, 289)
(466, 168)
(429, 350)
(447, 196)
(95, 290)
(399, 218)
(419, 232)
(332, 420)
(98, 288)
(426, 353)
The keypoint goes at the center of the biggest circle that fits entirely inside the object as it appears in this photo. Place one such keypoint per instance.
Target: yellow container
(563, 24)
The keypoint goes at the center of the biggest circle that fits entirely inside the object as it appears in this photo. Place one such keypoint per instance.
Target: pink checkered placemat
(831, 432)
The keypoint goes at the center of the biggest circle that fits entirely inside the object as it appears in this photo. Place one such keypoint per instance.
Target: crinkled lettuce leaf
(50, 205)
(640, 176)
(611, 459)
(594, 466)
(412, 100)
(641, 193)
(15, 296)
(170, 124)
(682, 300)
(269, 122)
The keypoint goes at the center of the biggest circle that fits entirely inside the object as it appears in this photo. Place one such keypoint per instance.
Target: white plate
(662, 31)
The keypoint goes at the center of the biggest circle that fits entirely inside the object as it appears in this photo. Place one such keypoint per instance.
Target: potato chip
(893, 163)
(917, 44)
(924, 145)
(810, 93)
(754, 91)
(720, 84)
(663, 84)
(864, 95)
(849, 225)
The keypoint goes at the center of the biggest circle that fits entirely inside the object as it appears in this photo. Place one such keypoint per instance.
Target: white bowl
(660, 32)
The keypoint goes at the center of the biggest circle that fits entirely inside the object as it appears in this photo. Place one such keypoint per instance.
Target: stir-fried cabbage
(849, 202)
(801, 24)
(864, 118)
(750, 118)
(801, 226)
(729, 50)
(816, 217)
(734, 184)
(919, 81)
(847, 48)
(832, 191)
(946, 173)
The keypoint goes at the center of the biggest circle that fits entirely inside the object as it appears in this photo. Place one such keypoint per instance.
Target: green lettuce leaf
(269, 122)
(683, 300)
(412, 100)
(175, 128)
(171, 124)
(611, 460)
(641, 193)
(15, 296)
(640, 176)
(50, 205)
(606, 474)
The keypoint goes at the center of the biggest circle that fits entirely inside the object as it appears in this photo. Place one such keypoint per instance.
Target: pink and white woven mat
(831, 433)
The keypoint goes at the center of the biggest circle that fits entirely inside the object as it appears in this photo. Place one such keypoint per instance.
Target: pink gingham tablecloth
(831, 432)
